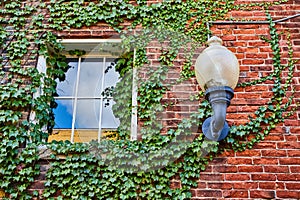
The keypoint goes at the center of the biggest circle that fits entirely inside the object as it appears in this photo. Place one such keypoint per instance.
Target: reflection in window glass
(109, 121)
(87, 114)
(82, 109)
(90, 80)
(63, 114)
(67, 87)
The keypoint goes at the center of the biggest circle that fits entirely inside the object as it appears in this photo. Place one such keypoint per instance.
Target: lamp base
(206, 129)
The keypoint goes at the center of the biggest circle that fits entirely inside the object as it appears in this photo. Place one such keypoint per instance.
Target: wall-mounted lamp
(217, 72)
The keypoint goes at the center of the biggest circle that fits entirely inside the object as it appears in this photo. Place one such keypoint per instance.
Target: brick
(276, 169)
(295, 169)
(277, 132)
(274, 153)
(211, 177)
(245, 185)
(232, 49)
(250, 169)
(292, 186)
(288, 145)
(241, 14)
(265, 161)
(244, 31)
(248, 153)
(238, 116)
(223, 185)
(194, 192)
(288, 194)
(257, 88)
(250, 95)
(228, 38)
(258, 56)
(251, 109)
(262, 194)
(295, 129)
(244, 68)
(261, 31)
(267, 67)
(252, 62)
(219, 161)
(257, 101)
(247, 37)
(247, 49)
(265, 49)
(274, 138)
(289, 122)
(257, 43)
(267, 185)
(267, 94)
(237, 177)
(201, 184)
(289, 161)
(288, 177)
(209, 193)
(240, 44)
(178, 108)
(208, 169)
(235, 194)
(263, 177)
(238, 102)
(253, 74)
(239, 161)
(265, 145)
(240, 56)
(225, 169)
(290, 137)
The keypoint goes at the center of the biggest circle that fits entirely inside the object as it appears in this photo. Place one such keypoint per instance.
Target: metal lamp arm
(216, 128)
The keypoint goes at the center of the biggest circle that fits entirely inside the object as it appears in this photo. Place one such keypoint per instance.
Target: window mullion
(101, 100)
(75, 100)
(133, 134)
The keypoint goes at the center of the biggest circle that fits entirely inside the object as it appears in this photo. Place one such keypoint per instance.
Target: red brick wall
(271, 170)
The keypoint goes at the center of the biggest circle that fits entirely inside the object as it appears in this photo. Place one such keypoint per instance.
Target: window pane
(63, 114)
(85, 135)
(90, 81)
(108, 118)
(67, 87)
(87, 114)
(111, 76)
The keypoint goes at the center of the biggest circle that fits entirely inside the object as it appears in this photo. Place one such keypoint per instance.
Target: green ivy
(120, 169)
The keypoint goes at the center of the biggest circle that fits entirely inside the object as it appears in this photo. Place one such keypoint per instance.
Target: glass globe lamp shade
(216, 66)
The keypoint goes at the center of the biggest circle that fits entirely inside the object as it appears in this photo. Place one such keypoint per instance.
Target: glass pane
(90, 80)
(111, 76)
(63, 114)
(60, 135)
(87, 114)
(67, 87)
(108, 118)
(86, 135)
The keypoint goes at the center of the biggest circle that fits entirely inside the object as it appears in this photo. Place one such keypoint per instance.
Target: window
(84, 105)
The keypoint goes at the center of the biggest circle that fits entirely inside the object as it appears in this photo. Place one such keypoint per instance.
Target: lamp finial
(214, 40)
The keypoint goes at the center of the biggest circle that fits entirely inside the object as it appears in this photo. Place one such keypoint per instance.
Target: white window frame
(42, 68)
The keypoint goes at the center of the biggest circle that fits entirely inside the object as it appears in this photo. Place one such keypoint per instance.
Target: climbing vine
(89, 171)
